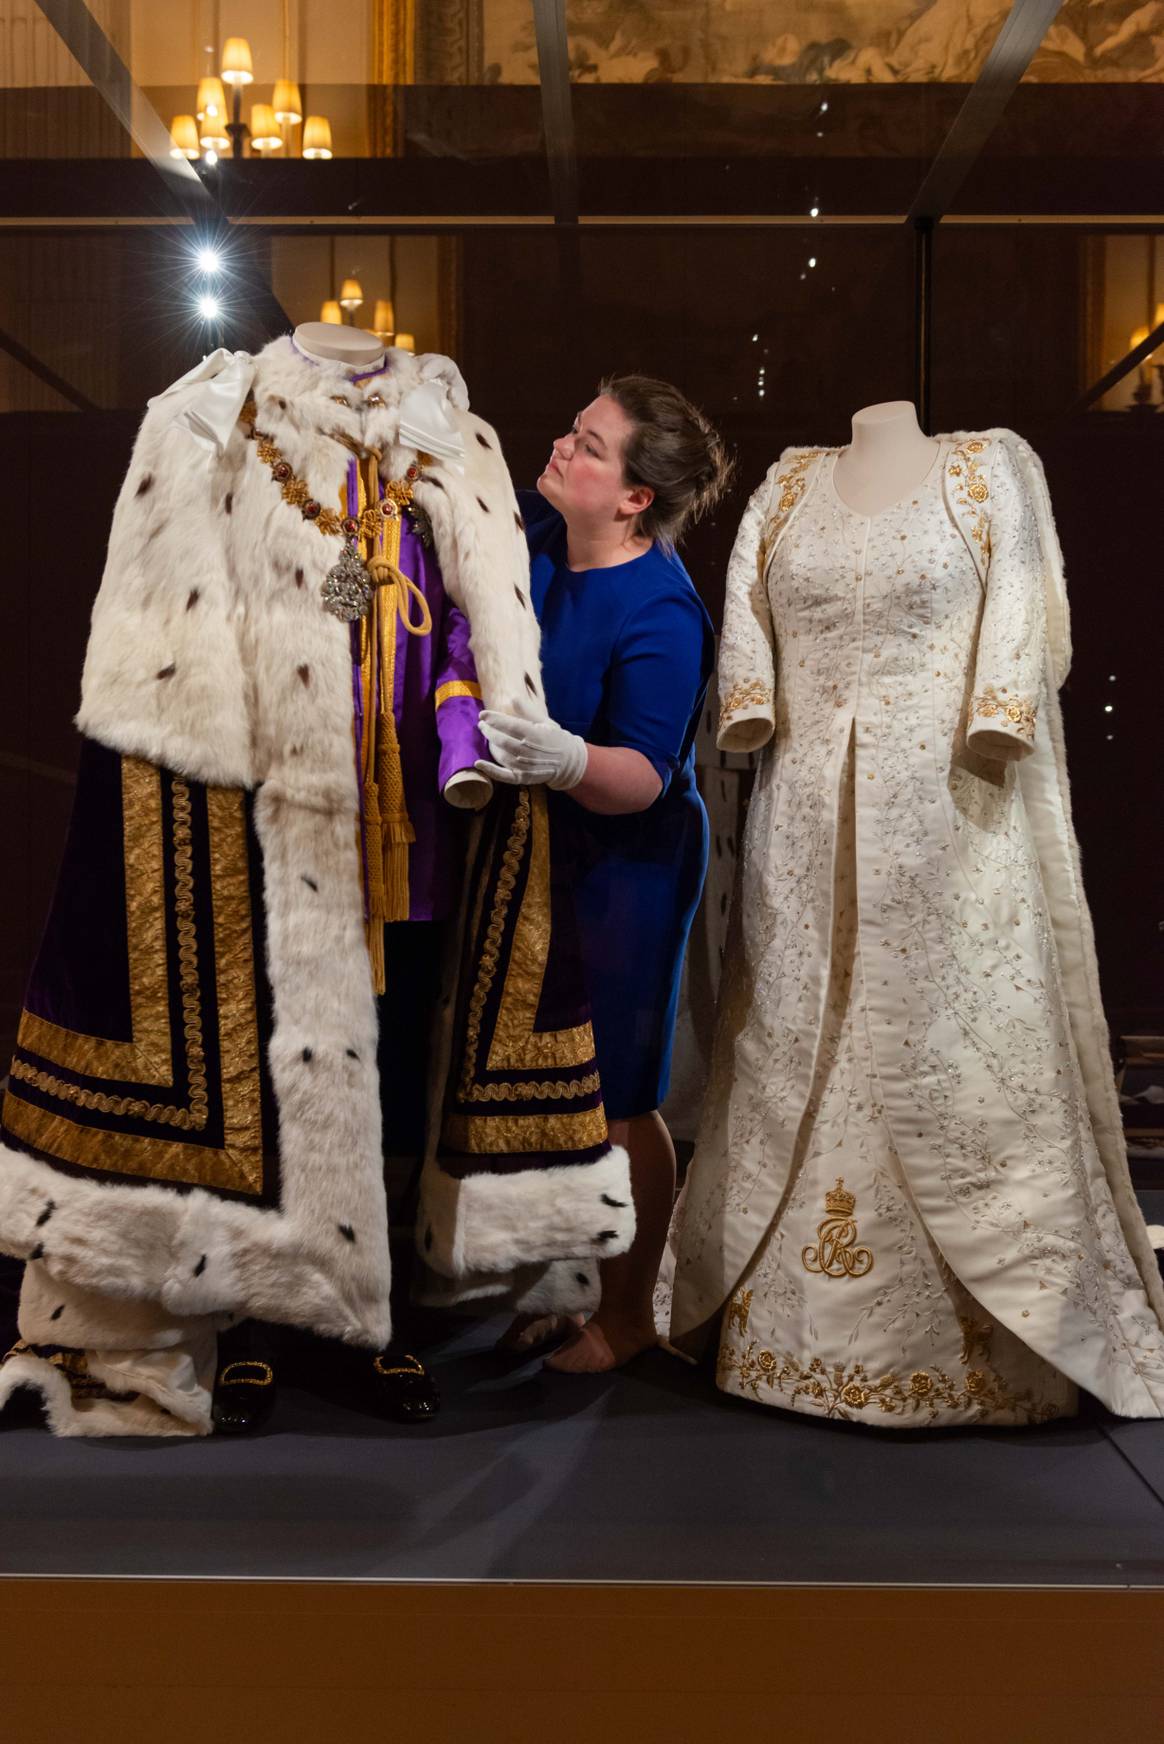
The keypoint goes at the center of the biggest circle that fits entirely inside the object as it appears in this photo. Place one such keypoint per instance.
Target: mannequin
(362, 352)
(890, 456)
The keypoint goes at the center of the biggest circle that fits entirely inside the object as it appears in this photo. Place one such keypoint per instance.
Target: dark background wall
(542, 319)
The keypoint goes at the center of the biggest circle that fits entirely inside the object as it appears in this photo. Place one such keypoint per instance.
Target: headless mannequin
(358, 351)
(890, 456)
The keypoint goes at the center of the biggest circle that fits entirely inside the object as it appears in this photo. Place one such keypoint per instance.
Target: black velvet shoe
(245, 1392)
(398, 1386)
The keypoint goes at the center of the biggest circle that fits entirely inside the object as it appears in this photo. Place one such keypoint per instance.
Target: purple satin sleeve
(456, 718)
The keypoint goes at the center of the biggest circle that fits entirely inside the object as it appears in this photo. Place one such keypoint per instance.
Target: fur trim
(557, 1287)
(498, 1222)
(69, 1416)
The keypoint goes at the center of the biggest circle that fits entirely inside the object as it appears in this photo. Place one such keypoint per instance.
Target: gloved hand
(530, 753)
(433, 366)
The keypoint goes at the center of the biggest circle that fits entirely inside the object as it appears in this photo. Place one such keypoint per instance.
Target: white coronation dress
(909, 1203)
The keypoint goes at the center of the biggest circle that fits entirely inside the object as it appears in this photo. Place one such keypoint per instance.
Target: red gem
(282, 471)
(414, 471)
(311, 510)
(351, 526)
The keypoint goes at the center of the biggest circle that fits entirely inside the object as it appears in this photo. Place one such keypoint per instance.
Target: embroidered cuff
(1001, 724)
(747, 716)
(457, 687)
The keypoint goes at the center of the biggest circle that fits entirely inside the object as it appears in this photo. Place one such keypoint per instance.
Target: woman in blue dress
(627, 649)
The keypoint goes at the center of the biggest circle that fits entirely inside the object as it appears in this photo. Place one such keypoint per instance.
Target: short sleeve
(657, 678)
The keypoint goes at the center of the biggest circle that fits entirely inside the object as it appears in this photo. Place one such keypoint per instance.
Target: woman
(627, 650)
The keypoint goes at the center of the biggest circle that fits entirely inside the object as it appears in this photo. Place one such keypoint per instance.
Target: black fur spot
(295, 751)
(310, 882)
(200, 1267)
(483, 505)
(581, 1278)
(228, 503)
(308, 1056)
(37, 1252)
(156, 532)
(351, 1053)
(45, 1214)
(607, 1235)
(431, 478)
(57, 1312)
(521, 600)
(304, 674)
(299, 578)
(167, 671)
(482, 440)
(147, 484)
(529, 684)
(346, 1231)
(282, 405)
(428, 1239)
(520, 523)
(193, 597)
(619, 1204)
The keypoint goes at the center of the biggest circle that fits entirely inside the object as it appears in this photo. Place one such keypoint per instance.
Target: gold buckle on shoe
(226, 1376)
(411, 1366)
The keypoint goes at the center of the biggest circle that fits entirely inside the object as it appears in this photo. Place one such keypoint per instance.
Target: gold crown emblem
(840, 1202)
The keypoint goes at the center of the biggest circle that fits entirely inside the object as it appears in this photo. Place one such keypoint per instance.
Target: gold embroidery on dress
(1020, 713)
(839, 1392)
(750, 694)
(739, 1308)
(972, 489)
(976, 1337)
(834, 1255)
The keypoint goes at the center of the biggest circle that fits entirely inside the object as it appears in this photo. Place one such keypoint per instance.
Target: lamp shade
(237, 67)
(317, 136)
(351, 294)
(184, 137)
(211, 104)
(265, 135)
(384, 320)
(332, 313)
(288, 104)
(405, 342)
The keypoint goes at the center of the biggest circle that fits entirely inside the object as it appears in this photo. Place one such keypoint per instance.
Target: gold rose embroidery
(751, 694)
(1019, 713)
(840, 1392)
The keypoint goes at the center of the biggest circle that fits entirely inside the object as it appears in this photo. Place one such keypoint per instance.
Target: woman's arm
(617, 781)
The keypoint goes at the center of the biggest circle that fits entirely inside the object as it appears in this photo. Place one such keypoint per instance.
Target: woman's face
(584, 479)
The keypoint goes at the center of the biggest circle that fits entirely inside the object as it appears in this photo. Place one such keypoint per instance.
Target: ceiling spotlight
(812, 260)
(814, 211)
(208, 260)
(209, 308)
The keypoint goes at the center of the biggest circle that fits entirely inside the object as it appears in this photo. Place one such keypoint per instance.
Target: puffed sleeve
(747, 659)
(1008, 675)
(657, 678)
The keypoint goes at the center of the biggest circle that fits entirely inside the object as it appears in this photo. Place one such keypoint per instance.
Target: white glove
(530, 753)
(432, 366)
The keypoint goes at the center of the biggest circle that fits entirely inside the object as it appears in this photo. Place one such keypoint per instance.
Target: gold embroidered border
(838, 1392)
(457, 687)
(750, 694)
(1020, 714)
(515, 1045)
(147, 1059)
(523, 1134)
(238, 1166)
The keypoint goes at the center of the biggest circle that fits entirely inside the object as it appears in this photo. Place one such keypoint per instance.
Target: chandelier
(216, 126)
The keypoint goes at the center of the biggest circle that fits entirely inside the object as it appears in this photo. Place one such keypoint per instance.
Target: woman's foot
(528, 1331)
(602, 1345)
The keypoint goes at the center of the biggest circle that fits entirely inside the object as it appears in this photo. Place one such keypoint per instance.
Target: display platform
(644, 1476)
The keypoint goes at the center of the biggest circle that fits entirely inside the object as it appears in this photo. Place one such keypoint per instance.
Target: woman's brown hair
(673, 449)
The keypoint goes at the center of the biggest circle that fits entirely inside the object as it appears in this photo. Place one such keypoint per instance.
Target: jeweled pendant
(347, 591)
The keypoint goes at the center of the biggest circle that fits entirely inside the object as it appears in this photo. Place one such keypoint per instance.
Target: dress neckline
(899, 502)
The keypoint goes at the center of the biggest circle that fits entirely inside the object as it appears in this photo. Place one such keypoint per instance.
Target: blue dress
(626, 656)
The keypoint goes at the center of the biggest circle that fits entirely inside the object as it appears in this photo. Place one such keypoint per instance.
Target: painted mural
(820, 41)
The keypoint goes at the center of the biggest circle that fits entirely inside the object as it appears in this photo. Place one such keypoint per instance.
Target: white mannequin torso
(350, 346)
(890, 456)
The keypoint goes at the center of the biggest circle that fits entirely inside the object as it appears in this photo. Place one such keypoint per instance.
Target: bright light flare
(208, 260)
(209, 308)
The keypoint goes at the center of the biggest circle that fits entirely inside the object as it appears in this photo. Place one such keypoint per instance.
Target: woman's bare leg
(624, 1324)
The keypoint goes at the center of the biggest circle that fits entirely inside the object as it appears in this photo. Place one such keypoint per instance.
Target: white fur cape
(210, 655)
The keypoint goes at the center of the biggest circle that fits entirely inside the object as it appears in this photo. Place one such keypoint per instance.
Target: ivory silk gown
(910, 1203)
